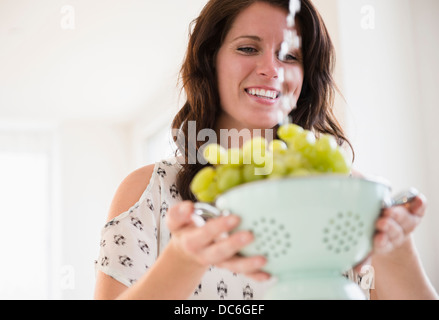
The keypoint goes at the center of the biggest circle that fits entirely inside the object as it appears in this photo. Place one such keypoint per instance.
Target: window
(25, 213)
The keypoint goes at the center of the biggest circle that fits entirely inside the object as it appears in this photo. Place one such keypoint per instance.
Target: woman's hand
(208, 246)
(396, 224)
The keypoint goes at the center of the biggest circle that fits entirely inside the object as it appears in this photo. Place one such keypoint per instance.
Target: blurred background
(88, 89)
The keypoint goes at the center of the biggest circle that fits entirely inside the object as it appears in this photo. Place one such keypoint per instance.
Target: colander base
(315, 287)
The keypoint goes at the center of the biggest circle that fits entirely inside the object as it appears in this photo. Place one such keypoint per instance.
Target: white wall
(389, 83)
(106, 85)
(426, 43)
(329, 12)
(94, 158)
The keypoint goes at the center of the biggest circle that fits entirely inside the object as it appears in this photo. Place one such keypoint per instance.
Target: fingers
(408, 216)
(395, 222)
(259, 276)
(225, 254)
(390, 235)
(226, 248)
(382, 244)
(418, 205)
(200, 239)
(207, 244)
(250, 266)
(179, 216)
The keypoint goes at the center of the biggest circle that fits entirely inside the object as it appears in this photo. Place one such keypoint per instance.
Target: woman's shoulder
(130, 190)
(133, 186)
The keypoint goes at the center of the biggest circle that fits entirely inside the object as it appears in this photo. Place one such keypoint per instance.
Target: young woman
(231, 80)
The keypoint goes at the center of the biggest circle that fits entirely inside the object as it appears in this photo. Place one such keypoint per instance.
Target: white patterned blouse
(131, 243)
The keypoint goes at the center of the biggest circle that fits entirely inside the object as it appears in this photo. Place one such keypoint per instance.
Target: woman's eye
(247, 50)
(288, 58)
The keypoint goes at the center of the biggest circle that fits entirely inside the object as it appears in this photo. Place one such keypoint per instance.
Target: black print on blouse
(111, 223)
(103, 243)
(161, 172)
(143, 246)
(357, 278)
(167, 163)
(164, 209)
(173, 191)
(119, 239)
(105, 261)
(149, 204)
(125, 261)
(247, 293)
(198, 290)
(137, 223)
(132, 281)
(222, 289)
(155, 232)
(134, 208)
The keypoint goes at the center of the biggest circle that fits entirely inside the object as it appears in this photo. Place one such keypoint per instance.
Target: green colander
(311, 230)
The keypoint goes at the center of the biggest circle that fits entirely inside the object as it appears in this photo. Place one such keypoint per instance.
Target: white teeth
(263, 93)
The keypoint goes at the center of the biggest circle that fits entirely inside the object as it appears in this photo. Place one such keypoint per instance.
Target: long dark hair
(199, 79)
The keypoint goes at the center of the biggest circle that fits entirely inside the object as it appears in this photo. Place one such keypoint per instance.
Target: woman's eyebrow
(255, 38)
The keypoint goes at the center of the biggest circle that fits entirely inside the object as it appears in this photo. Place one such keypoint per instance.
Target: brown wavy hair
(199, 78)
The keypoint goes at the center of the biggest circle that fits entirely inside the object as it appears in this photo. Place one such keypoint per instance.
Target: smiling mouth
(263, 93)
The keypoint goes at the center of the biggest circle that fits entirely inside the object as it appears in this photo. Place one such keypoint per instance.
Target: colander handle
(204, 211)
(402, 198)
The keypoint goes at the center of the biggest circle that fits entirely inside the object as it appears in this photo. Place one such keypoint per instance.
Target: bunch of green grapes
(297, 153)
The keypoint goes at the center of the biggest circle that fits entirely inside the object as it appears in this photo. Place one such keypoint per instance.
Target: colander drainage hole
(342, 232)
(270, 237)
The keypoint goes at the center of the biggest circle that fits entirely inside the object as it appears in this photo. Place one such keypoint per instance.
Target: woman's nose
(268, 66)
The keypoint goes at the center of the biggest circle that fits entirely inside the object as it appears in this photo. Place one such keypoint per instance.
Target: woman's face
(248, 69)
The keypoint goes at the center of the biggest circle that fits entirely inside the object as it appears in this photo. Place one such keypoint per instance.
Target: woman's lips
(268, 96)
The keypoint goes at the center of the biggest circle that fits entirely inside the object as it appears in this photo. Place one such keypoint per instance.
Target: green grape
(298, 154)
(338, 162)
(249, 173)
(293, 160)
(289, 132)
(265, 167)
(303, 142)
(326, 144)
(254, 151)
(214, 154)
(301, 172)
(279, 168)
(277, 146)
(228, 177)
(235, 157)
(319, 156)
(210, 194)
(203, 179)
